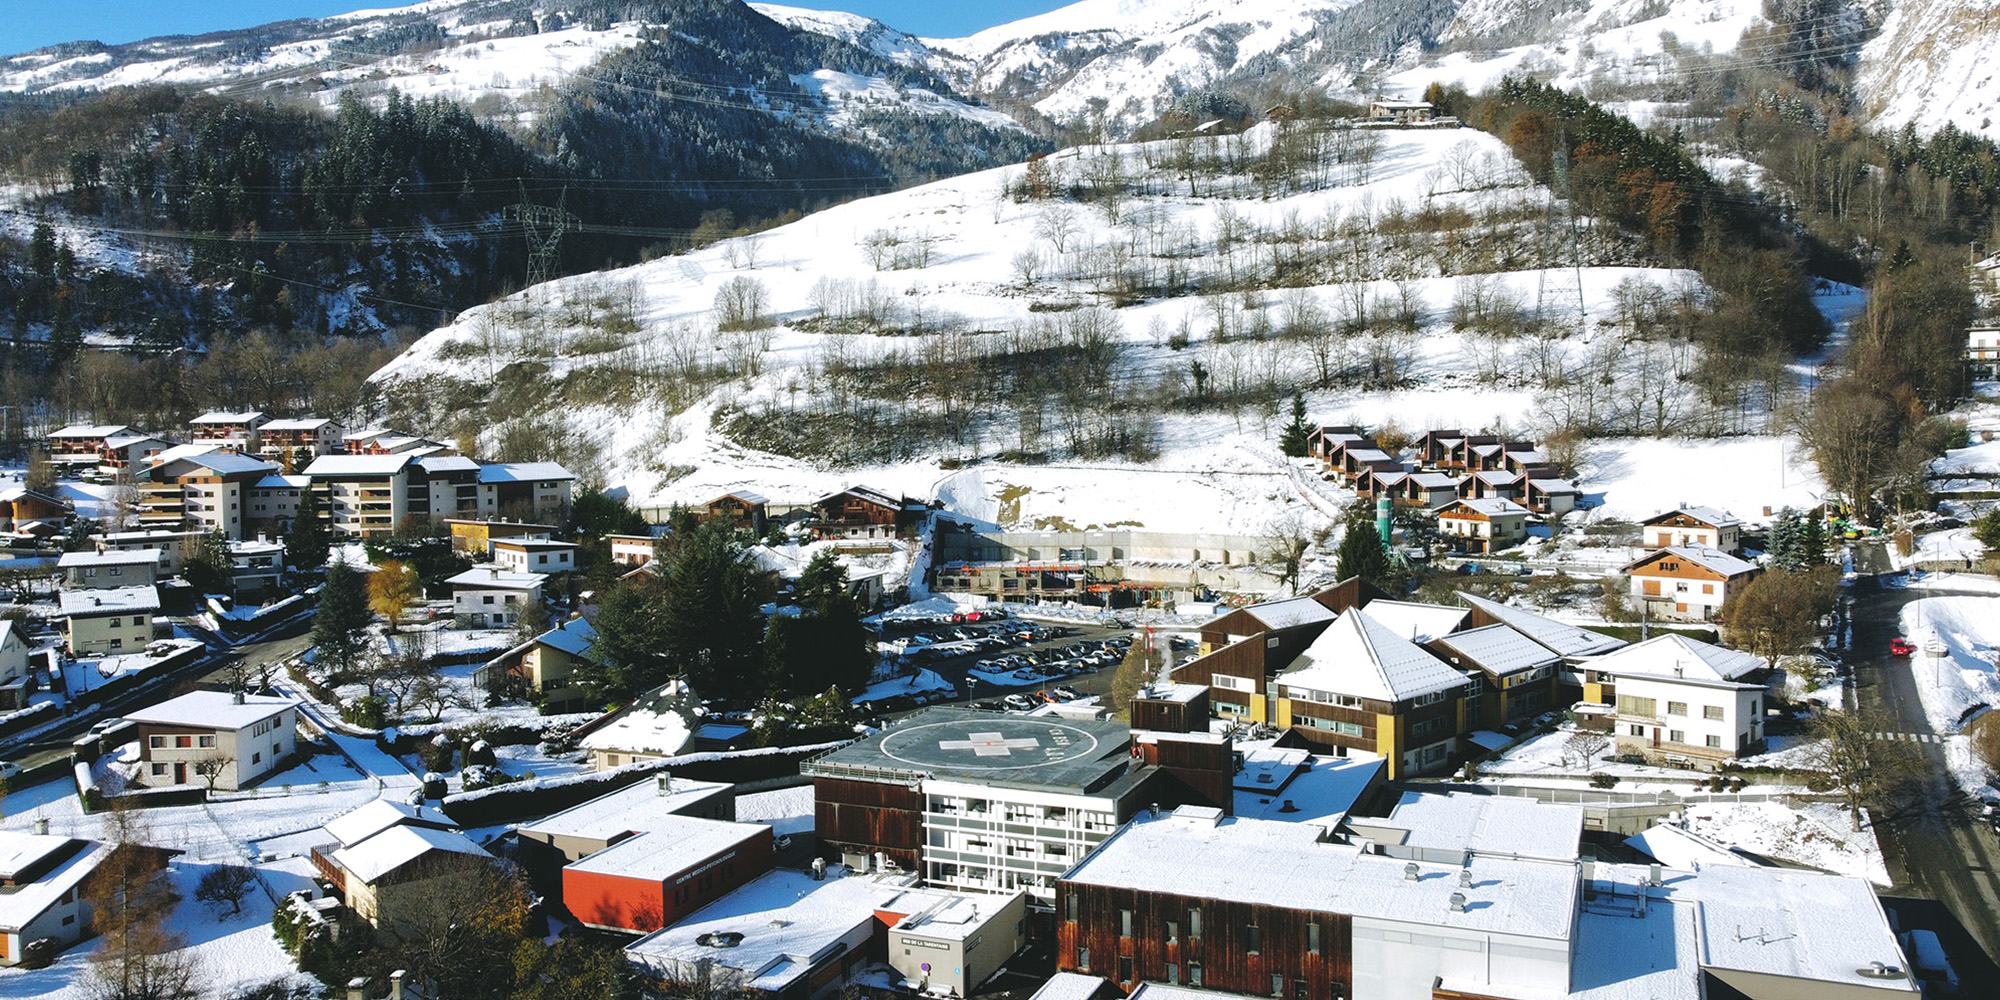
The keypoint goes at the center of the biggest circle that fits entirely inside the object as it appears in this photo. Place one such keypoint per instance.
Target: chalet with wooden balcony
(305, 437)
(223, 429)
(1693, 527)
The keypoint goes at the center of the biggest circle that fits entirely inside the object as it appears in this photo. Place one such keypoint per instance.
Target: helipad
(951, 742)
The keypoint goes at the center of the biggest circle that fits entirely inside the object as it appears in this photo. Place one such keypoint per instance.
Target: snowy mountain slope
(1933, 62)
(1205, 467)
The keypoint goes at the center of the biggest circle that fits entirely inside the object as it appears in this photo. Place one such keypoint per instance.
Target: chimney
(396, 984)
(1653, 875)
(819, 869)
(236, 697)
(41, 826)
(357, 988)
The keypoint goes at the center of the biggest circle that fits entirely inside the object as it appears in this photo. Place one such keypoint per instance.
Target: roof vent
(42, 830)
(1458, 902)
(1410, 872)
(1289, 807)
(720, 939)
(1465, 878)
(1879, 970)
(236, 697)
(1653, 875)
(780, 924)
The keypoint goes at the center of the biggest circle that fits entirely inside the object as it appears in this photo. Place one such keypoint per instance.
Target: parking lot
(994, 659)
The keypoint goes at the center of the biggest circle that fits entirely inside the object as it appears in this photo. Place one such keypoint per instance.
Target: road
(1937, 847)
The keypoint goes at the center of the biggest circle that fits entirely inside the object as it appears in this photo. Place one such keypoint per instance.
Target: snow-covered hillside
(959, 272)
(1932, 63)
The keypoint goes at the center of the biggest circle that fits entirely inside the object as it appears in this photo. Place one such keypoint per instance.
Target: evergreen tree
(826, 642)
(1293, 441)
(1812, 541)
(338, 622)
(1361, 552)
(207, 568)
(1785, 538)
(306, 544)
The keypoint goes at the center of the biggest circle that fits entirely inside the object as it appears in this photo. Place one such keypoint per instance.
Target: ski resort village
(1154, 500)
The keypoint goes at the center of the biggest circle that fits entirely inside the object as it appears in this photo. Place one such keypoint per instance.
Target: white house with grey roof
(1687, 703)
(491, 597)
(41, 897)
(239, 738)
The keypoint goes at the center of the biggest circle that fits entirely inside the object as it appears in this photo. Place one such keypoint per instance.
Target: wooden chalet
(1494, 484)
(1327, 442)
(1462, 452)
(1550, 496)
(1434, 448)
(864, 512)
(1687, 583)
(742, 510)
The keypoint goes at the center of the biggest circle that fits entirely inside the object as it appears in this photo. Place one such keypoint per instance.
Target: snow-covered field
(1954, 664)
(1816, 834)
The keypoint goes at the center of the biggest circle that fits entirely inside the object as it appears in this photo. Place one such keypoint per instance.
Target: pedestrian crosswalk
(1909, 737)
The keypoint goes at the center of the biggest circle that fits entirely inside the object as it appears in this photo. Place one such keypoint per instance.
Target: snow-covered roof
(523, 472)
(119, 600)
(1497, 477)
(1488, 507)
(447, 463)
(493, 578)
(1706, 515)
(1198, 851)
(658, 723)
(19, 906)
(357, 465)
(1071, 986)
(1528, 456)
(213, 710)
(1714, 560)
(180, 451)
(1562, 637)
(1489, 824)
(397, 846)
(1554, 486)
(222, 461)
(275, 482)
(356, 825)
(1433, 480)
(1677, 657)
(532, 544)
(1290, 612)
(1305, 788)
(779, 923)
(149, 535)
(868, 493)
(1415, 622)
(132, 438)
(671, 845)
(300, 424)
(1677, 848)
(633, 809)
(1357, 656)
(754, 499)
(573, 637)
(1499, 650)
(90, 430)
(1366, 455)
(225, 417)
(115, 557)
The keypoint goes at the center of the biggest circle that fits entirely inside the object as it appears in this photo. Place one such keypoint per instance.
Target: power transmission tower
(544, 227)
(1561, 247)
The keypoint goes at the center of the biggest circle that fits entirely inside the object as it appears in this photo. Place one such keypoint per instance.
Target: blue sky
(31, 24)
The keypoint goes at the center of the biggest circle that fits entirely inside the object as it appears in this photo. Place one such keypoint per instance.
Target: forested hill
(162, 217)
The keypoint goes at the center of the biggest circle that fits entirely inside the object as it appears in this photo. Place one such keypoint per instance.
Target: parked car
(1066, 693)
(1019, 702)
(1900, 646)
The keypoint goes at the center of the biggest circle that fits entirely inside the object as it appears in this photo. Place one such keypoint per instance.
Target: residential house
(237, 738)
(1550, 495)
(1434, 448)
(390, 877)
(1516, 677)
(1356, 461)
(209, 492)
(531, 555)
(1485, 456)
(1521, 456)
(388, 441)
(1684, 702)
(742, 510)
(1480, 526)
(529, 489)
(1982, 351)
(448, 486)
(366, 495)
(1360, 686)
(109, 622)
(659, 724)
(631, 550)
(256, 568)
(172, 546)
(31, 512)
(1577, 646)
(275, 501)
(1380, 481)
(861, 512)
(1242, 650)
(1687, 583)
(109, 570)
(489, 597)
(108, 447)
(476, 538)
(1327, 442)
(235, 431)
(41, 892)
(300, 440)
(17, 681)
(1693, 527)
(1428, 489)
(580, 831)
(1402, 112)
(546, 667)
(1494, 484)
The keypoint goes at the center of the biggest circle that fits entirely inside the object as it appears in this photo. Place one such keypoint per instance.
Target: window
(256, 758)
(1277, 984)
(183, 742)
(1711, 711)
(1715, 742)
(1426, 727)
(1677, 708)
(1173, 973)
(1194, 973)
(116, 622)
(1125, 923)
(1634, 705)
(1069, 906)
(1173, 932)
(487, 599)
(1082, 957)
(205, 742)
(1124, 968)
(1312, 939)
(1300, 991)
(1253, 939)
(1676, 736)
(1637, 731)
(156, 742)
(159, 769)
(1194, 923)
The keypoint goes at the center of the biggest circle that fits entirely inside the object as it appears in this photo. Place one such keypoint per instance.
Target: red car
(1900, 646)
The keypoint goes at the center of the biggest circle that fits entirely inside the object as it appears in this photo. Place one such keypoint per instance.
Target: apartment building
(364, 495)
